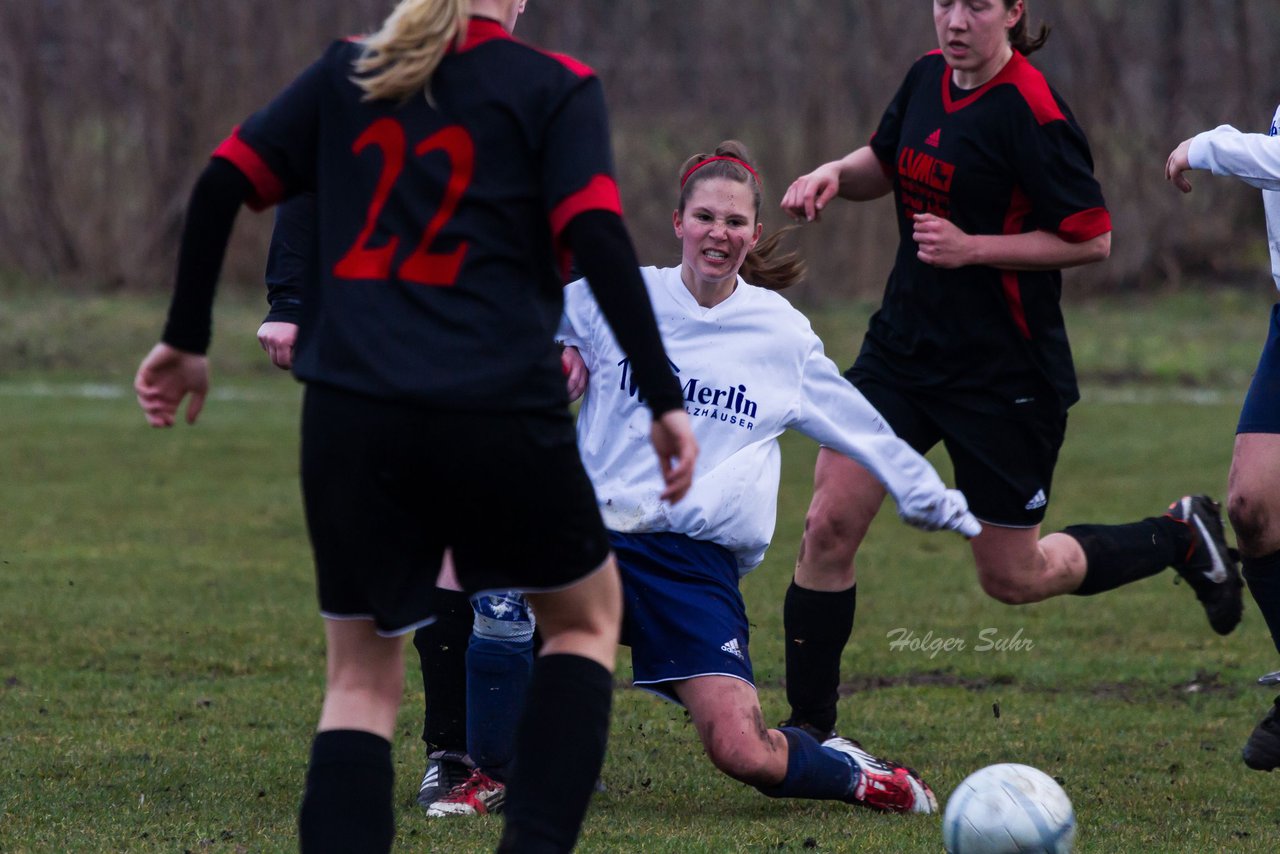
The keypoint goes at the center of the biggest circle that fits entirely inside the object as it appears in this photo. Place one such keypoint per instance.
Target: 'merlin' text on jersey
(926, 182)
(730, 405)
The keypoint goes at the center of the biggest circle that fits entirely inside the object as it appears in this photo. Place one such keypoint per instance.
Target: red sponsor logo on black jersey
(926, 182)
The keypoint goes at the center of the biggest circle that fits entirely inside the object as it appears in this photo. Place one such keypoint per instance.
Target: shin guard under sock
(499, 663)
(560, 747)
(817, 626)
(442, 649)
(1262, 574)
(1121, 554)
(346, 806)
(813, 771)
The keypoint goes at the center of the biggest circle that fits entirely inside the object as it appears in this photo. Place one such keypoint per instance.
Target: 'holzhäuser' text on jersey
(729, 404)
(750, 367)
(455, 314)
(1005, 158)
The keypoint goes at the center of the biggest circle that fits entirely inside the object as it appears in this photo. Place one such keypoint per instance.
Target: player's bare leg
(1015, 566)
(846, 497)
(1253, 493)
(789, 762)
(564, 731)
(348, 800)
(364, 678)
(726, 713)
(1253, 506)
(820, 603)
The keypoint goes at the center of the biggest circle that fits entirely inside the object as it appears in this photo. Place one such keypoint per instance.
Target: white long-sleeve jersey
(1253, 158)
(750, 368)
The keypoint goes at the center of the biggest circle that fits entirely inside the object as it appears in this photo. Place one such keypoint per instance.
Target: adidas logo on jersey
(934, 139)
(1037, 501)
(731, 647)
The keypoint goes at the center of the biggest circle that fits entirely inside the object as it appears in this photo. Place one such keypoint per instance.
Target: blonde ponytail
(400, 58)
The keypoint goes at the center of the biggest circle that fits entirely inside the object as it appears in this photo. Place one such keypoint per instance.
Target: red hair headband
(695, 167)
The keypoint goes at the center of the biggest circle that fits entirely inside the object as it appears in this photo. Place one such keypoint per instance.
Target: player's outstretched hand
(1179, 162)
(672, 437)
(278, 337)
(946, 511)
(164, 378)
(809, 194)
(575, 372)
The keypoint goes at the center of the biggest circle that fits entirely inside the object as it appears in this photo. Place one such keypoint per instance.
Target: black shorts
(388, 486)
(1003, 461)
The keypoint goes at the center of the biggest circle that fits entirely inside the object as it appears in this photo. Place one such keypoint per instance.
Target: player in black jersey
(476, 657)
(453, 168)
(994, 192)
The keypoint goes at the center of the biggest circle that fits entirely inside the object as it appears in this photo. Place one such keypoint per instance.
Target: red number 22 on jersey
(422, 266)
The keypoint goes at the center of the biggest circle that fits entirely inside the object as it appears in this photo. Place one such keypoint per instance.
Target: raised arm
(1252, 157)
(858, 176)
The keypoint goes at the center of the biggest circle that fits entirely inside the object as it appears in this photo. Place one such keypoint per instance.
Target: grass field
(161, 660)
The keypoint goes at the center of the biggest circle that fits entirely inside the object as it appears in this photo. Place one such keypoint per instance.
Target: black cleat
(445, 770)
(1262, 750)
(819, 735)
(1210, 566)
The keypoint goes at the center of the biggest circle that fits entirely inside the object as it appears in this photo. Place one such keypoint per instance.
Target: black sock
(1262, 574)
(1121, 554)
(817, 626)
(559, 752)
(442, 651)
(347, 803)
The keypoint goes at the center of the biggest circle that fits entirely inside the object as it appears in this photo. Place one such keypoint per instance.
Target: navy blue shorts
(684, 615)
(1261, 410)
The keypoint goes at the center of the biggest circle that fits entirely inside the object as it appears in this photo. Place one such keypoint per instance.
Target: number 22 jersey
(505, 148)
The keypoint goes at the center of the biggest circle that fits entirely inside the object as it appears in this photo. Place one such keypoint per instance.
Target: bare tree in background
(109, 109)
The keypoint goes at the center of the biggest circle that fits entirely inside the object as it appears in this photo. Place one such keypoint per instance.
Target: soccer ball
(1008, 809)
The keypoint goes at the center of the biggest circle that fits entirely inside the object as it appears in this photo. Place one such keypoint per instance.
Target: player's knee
(1248, 515)
(744, 758)
(829, 538)
(1008, 588)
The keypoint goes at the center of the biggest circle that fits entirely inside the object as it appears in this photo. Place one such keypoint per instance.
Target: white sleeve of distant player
(836, 414)
(1252, 157)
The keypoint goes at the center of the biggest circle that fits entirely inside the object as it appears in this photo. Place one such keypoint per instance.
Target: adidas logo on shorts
(731, 647)
(1037, 501)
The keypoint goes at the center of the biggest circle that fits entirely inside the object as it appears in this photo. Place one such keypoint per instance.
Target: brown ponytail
(1019, 38)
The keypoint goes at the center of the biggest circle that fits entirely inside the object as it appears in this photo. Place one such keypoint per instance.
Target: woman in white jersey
(750, 367)
(1253, 487)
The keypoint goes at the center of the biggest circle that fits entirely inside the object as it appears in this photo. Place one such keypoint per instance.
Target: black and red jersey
(1005, 158)
(505, 149)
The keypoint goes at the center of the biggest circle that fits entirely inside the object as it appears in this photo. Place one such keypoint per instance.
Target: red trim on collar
(1018, 72)
(481, 30)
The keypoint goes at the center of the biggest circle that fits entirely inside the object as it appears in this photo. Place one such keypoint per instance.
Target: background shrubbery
(110, 107)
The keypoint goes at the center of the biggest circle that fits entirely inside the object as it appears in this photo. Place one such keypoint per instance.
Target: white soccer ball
(1008, 809)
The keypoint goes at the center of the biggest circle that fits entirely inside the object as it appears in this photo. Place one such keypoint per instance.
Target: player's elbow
(1099, 248)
